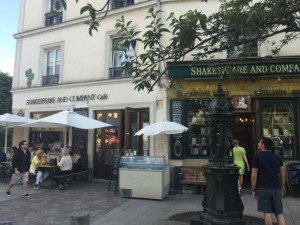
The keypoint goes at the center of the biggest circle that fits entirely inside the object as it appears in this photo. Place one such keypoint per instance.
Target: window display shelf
(278, 124)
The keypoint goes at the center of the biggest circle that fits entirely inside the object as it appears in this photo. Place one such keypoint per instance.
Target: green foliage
(236, 23)
(5, 95)
(5, 104)
(29, 75)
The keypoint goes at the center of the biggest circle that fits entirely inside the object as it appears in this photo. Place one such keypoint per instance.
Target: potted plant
(51, 14)
(30, 76)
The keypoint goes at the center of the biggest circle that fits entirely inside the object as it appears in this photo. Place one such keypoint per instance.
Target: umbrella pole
(5, 144)
(65, 138)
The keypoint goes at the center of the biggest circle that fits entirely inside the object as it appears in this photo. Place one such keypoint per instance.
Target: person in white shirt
(65, 168)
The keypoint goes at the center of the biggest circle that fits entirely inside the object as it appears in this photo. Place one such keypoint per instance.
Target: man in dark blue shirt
(268, 182)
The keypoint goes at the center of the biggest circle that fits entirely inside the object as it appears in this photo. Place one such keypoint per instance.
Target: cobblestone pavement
(54, 207)
(51, 207)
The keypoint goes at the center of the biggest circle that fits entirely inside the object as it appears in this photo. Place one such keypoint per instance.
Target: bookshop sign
(64, 99)
(200, 69)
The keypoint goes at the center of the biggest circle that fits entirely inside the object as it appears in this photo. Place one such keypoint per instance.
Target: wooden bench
(87, 172)
(194, 175)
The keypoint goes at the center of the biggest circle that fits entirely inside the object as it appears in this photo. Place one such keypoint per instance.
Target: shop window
(118, 57)
(278, 123)
(47, 135)
(53, 62)
(198, 132)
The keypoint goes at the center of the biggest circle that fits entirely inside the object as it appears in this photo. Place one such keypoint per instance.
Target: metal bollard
(80, 219)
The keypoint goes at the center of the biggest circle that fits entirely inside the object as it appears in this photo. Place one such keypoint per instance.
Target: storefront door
(131, 127)
(244, 132)
(119, 138)
(136, 119)
(108, 143)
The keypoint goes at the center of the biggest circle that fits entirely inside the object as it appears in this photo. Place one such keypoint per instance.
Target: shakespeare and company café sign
(216, 68)
(65, 99)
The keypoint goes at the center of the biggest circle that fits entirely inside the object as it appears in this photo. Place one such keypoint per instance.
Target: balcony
(53, 18)
(118, 72)
(50, 80)
(121, 3)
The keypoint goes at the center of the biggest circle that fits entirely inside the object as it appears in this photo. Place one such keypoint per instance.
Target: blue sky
(9, 18)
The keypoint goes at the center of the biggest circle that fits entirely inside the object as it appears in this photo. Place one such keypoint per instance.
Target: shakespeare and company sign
(213, 68)
(65, 99)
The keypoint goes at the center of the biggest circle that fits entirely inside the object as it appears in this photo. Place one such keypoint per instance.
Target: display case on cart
(144, 177)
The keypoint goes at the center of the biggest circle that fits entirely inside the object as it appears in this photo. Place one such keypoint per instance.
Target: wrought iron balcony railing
(52, 18)
(118, 72)
(50, 80)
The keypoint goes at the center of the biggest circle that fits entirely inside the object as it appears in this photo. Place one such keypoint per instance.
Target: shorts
(269, 201)
(18, 179)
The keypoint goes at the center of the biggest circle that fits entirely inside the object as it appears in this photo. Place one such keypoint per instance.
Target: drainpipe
(158, 15)
(165, 90)
(158, 6)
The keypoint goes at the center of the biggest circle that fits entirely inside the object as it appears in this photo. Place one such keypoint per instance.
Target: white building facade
(74, 71)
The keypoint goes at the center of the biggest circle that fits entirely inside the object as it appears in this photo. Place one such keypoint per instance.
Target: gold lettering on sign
(204, 70)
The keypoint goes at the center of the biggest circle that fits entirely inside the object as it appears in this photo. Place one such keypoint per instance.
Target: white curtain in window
(118, 56)
(53, 62)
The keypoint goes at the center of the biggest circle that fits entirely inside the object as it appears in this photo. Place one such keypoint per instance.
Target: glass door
(136, 119)
(108, 143)
(114, 140)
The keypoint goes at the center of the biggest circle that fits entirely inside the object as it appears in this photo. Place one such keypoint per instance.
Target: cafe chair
(6, 172)
(294, 178)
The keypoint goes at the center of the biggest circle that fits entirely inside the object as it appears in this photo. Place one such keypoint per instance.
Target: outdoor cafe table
(51, 170)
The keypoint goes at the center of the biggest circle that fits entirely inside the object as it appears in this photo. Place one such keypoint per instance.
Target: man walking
(20, 166)
(268, 182)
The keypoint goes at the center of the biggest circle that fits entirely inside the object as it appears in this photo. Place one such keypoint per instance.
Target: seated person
(57, 145)
(32, 150)
(46, 149)
(2, 157)
(50, 145)
(65, 168)
(41, 173)
(70, 149)
(80, 162)
(15, 149)
(38, 143)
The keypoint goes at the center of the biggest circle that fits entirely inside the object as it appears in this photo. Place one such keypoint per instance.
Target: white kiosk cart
(144, 177)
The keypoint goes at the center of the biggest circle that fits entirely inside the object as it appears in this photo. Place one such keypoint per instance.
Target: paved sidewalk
(54, 207)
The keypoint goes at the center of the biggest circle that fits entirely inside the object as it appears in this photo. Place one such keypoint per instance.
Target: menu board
(177, 149)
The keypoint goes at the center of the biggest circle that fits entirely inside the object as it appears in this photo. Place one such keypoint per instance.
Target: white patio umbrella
(67, 118)
(163, 127)
(9, 120)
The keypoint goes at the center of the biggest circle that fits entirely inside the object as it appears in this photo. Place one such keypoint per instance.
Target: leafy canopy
(235, 23)
(5, 104)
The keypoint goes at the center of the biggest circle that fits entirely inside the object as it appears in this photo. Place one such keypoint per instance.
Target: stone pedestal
(222, 204)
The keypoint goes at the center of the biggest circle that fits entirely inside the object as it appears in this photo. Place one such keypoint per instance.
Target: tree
(236, 23)
(5, 95)
(5, 103)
